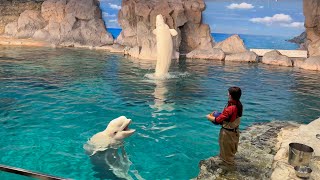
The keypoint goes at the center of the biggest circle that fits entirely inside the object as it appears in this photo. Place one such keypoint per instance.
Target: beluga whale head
(118, 129)
(112, 137)
(159, 21)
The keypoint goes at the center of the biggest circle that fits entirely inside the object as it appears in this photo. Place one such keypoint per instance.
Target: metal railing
(28, 173)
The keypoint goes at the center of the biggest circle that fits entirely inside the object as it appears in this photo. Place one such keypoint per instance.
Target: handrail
(25, 172)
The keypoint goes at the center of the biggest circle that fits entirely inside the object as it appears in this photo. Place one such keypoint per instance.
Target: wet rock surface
(311, 63)
(242, 57)
(254, 157)
(276, 58)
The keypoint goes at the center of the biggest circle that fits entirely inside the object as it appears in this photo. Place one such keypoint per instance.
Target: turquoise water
(250, 41)
(53, 100)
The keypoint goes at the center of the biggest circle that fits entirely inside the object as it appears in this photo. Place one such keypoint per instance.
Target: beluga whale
(106, 150)
(164, 46)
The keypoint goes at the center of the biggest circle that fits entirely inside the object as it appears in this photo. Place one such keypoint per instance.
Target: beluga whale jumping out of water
(104, 150)
(164, 46)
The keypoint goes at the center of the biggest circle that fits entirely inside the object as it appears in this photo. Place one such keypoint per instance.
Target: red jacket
(229, 113)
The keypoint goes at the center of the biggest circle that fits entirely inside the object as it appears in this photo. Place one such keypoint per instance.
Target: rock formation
(263, 153)
(10, 10)
(233, 44)
(242, 57)
(137, 19)
(254, 157)
(214, 53)
(311, 11)
(276, 58)
(232, 48)
(311, 63)
(63, 22)
(301, 40)
(305, 134)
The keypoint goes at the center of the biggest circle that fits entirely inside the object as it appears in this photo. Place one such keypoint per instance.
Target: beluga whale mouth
(126, 128)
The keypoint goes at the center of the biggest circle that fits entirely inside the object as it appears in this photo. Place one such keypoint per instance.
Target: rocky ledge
(62, 22)
(263, 153)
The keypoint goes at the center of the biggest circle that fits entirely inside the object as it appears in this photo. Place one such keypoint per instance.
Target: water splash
(172, 75)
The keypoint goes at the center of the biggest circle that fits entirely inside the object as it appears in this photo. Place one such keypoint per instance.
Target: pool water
(53, 100)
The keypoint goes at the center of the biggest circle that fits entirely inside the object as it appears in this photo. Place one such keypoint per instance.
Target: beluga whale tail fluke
(164, 46)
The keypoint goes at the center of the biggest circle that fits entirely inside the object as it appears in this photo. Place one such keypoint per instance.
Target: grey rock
(64, 22)
(134, 52)
(83, 9)
(303, 134)
(311, 63)
(243, 57)
(10, 10)
(276, 58)
(53, 10)
(29, 22)
(298, 61)
(253, 159)
(93, 33)
(215, 54)
(41, 35)
(299, 39)
(11, 29)
(233, 44)
(312, 23)
(55, 32)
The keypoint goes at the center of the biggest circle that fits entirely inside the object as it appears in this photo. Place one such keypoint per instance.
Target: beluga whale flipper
(104, 150)
(164, 46)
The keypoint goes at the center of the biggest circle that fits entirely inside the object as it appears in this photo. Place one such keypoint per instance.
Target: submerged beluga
(164, 46)
(104, 150)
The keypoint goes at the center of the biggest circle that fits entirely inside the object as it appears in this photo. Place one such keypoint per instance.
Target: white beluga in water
(164, 46)
(104, 150)
(160, 98)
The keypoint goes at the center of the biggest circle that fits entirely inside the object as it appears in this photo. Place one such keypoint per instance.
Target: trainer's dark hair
(235, 93)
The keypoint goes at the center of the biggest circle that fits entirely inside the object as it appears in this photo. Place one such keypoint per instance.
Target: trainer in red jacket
(230, 121)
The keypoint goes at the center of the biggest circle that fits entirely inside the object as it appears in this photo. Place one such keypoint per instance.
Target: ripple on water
(53, 100)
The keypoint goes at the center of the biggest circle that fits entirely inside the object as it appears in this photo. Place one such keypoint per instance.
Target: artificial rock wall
(10, 10)
(138, 17)
(62, 22)
(311, 10)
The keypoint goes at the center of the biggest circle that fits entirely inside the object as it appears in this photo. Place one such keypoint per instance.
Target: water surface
(53, 100)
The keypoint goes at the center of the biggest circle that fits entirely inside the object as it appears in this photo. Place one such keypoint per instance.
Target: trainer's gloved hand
(215, 114)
